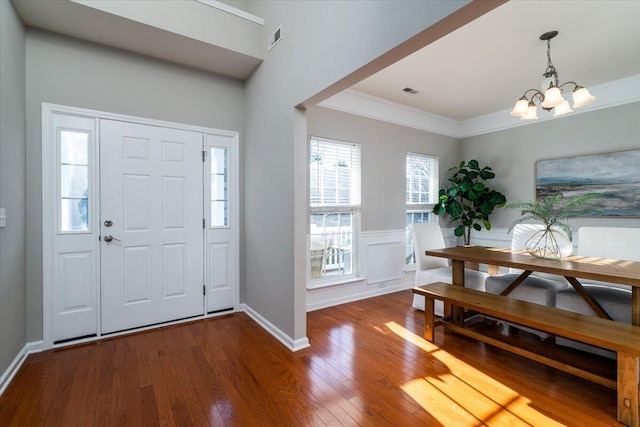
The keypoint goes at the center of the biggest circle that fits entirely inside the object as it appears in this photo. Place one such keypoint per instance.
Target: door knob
(108, 238)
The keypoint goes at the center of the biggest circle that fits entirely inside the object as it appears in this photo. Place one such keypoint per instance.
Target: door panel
(72, 181)
(222, 223)
(151, 190)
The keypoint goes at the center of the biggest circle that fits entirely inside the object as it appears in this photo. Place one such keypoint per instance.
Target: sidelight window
(74, 195)
(219, 187)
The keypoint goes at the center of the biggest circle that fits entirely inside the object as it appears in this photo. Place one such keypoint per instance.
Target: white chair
(430, 269)
(619, 243)
(538, 288)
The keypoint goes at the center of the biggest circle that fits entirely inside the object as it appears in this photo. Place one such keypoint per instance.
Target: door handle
(108, 238)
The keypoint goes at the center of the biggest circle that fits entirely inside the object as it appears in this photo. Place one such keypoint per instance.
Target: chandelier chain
(551, 70)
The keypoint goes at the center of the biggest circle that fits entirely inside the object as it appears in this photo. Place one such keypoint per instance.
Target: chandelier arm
(575, 85)
(537, 92)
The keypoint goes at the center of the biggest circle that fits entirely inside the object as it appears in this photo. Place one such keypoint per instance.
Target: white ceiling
(480, 69)
(485, 66)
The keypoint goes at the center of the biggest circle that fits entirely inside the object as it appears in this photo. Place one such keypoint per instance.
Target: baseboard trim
(286, 340)
(16, 363)
(357, 297)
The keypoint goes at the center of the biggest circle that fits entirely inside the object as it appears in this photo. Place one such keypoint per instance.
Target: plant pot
(549, 244)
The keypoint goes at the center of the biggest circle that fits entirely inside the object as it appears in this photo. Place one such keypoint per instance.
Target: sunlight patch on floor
(461, 395)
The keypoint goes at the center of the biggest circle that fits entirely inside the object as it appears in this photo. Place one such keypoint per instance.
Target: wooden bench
(619, 337)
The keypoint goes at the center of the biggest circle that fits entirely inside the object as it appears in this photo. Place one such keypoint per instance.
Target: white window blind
(334, 202)
(421, 181)
(334, 176)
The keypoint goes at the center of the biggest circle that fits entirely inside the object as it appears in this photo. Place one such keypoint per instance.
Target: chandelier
(551, 96)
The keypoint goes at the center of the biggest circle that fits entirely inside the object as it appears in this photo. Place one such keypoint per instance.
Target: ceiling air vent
(409, 90)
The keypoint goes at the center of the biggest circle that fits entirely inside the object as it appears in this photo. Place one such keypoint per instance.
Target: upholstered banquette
(619, 243)
(538, 288)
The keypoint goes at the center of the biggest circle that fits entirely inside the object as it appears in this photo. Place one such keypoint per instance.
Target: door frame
(49, 207)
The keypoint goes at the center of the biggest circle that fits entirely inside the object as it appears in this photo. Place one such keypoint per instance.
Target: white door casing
(151, 192)
(221, 207)
(72, 254)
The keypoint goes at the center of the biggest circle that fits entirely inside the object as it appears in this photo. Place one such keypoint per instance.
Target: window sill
(410, 268)
(330, 283)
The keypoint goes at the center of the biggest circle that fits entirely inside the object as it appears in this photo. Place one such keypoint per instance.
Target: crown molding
(611, 94)
(373, 107)
(233, 11)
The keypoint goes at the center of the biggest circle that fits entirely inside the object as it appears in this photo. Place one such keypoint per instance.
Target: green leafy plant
(467, 200)
(553, 210)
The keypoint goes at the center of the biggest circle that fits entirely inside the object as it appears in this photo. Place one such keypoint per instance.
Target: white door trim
(49, 195)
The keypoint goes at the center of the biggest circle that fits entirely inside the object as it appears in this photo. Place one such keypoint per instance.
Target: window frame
(321, 207)
(419, 207)
(90, 166)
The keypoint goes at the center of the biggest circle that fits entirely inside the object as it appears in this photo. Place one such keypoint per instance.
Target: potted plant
(554, 241)
(467, 200)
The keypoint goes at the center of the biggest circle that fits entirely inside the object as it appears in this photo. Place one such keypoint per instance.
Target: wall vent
(275, 38)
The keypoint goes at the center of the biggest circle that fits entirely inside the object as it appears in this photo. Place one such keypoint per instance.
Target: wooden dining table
(573, 268)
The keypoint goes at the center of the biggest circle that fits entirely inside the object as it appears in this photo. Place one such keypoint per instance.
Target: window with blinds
(334, 201)
(422, 182)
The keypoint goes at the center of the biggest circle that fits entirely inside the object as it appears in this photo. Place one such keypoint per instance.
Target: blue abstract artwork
(615, 176)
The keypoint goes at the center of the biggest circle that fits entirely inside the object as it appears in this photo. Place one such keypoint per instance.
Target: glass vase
(549, 243)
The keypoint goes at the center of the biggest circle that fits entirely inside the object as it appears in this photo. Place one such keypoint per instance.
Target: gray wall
(323, 41)
(384, 149)
(512, 153)
(12, 185)
(70, 72)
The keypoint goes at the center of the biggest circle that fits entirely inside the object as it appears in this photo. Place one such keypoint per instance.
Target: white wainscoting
(382, 268)
(382, 256)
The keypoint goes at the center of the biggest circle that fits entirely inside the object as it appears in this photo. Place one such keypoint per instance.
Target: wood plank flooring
(367, 366)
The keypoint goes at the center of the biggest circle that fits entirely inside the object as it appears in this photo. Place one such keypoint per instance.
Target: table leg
(457, 279)
(635, 306)
(429, 318)
(595, 306)
(493, 270)
(516, 283)
(628, 377)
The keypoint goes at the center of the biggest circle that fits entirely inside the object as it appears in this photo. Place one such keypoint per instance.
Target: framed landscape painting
(615, 176)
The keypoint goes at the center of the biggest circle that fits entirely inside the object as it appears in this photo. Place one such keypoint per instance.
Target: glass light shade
(561, 109)
(582, 97)
(532, 112)
(521, 108)
(552, 97)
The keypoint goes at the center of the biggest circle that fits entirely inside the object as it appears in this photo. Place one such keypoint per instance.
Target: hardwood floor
(367, 365)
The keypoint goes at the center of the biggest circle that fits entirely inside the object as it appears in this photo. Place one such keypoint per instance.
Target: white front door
(151, 225)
